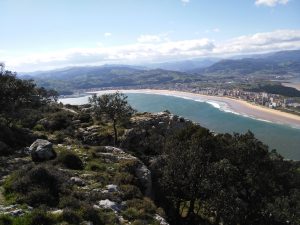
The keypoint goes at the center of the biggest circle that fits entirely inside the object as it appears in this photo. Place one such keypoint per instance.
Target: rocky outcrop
(42, 150)
(141, 171)
(149, 131)
(92, 136)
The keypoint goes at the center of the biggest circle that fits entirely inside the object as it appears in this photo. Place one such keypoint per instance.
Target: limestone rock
(107, 204)
(42, 150)
(78, 181)
(161, 220)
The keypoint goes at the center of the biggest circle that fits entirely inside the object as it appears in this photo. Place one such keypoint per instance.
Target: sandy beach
(226, 104)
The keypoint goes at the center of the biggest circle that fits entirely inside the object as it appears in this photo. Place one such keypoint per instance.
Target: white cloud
(158, 51)
(185, 1)
(271, 3)
(145, 38)
(261, 42)
(107, 34)
(215, 30)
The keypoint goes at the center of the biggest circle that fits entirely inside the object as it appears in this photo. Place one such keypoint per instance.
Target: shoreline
(232, 105)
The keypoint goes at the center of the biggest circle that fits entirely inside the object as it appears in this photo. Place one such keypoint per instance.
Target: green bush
(95, 166)
(59, 120)
(71, 216)
(37, 185)
(5, 220)
(93, 215)
(70, 160)
(144, 204)
(131, 213)
(69, 202)
(39, 127)
(125, 178)
(84, 117)
(128, 166)
(130, 192)
(41, 218)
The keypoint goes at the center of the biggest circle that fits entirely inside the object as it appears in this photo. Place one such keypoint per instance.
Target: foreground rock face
(42, 150)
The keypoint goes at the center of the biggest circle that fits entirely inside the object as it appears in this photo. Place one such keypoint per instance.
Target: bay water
(283, 138)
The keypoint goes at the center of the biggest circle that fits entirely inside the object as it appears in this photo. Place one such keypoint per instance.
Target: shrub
(37, 185)
(69, 202)
(71, 216)
(5, 220)
(39, 127)
(84, 117)
(70, 160)
(39, 196)
(128, 166)
(125, 178)
(93, 215)
(60, 120)
(41, 218)
(130, 192)
(131, 213)
(95, 166)
(145, 205)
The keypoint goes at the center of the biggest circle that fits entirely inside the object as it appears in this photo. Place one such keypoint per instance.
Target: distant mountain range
(284, 63)
(281, 63)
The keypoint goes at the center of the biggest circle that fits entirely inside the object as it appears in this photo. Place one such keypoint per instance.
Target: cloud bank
(154, 48)
(271, 3)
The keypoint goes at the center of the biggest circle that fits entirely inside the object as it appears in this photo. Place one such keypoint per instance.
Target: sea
(213, 115)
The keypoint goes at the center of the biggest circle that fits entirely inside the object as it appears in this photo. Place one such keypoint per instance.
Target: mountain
(74, 78)
(280, 63)
(183, 66)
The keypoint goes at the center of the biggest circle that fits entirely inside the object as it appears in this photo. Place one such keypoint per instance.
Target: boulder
(161, 220)
(107, 204)
(42, 150)
(144, 176)
(78, 181)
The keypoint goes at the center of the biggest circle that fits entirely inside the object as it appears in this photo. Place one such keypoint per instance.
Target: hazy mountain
(284, 62)
(69, 79)
(184, 65)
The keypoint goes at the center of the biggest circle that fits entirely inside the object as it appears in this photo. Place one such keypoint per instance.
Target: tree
(115, 107)
(16, 96)
(231, 178)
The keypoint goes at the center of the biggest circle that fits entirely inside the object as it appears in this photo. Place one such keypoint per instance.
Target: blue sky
(56, 33)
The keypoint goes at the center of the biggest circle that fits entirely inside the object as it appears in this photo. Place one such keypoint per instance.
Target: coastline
(292, 85)
(226, 104)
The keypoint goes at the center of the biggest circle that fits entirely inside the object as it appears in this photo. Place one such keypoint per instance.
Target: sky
(48, 34)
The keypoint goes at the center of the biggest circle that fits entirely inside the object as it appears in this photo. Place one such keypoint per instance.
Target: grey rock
(107, 204)
(144, 176)
(78, 181)
(42, 150)
(112, 188)
(161, 220)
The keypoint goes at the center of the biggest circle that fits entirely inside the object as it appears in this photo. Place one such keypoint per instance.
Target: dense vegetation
(230, 179)
(170, 168)
(277, 89)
